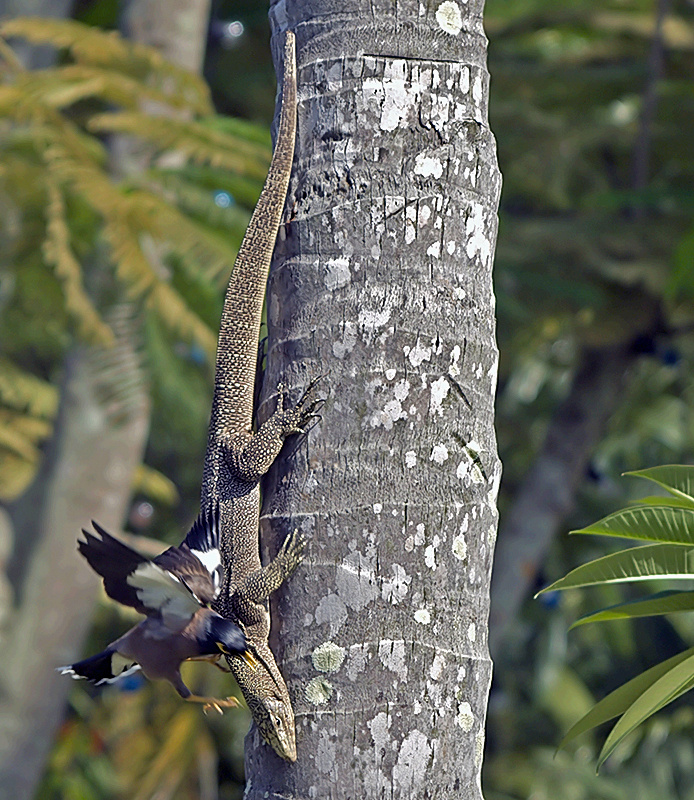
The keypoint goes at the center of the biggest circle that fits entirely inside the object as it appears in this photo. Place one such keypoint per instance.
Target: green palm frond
(667, 523)
(165, 240)
(107, 49)
(62, 86)
(22, 391)
(192, 139)
(58, 252)
(28, 407)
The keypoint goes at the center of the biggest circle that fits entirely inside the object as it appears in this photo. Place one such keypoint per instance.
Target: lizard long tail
(237, 347)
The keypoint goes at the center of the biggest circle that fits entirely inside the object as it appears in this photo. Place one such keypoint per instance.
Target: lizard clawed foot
(305, 409)
(292, 550)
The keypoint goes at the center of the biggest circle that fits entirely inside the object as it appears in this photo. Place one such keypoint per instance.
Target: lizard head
(266, 693)
(275, 719)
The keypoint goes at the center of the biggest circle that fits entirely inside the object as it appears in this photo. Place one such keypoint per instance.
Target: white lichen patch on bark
(428, 166)
(430, 552)
(434, 249)
(410, 459)
(391, 412)
(422, 616)
(410, 224)
(454, 367)
(417, 354)
(356, 662)
(439, 454)
(326, 753)
(449, 17)
(437, 667)
(392, 656)
(337, 273)
(439, 391)
(477, 89)
(356, 581)
(459, 547)
(391, 94)
(369, 321)
(318, 691)
(465, 719)
(394, 590)
(478, 241)
(328, 657)
(410, 770)
(379, 727)
(332, 611)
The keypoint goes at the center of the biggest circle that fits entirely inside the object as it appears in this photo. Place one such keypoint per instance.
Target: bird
(173, 591)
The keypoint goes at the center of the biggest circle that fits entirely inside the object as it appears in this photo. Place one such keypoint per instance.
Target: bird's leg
(214, 660)
(216, 703)
(208, 702)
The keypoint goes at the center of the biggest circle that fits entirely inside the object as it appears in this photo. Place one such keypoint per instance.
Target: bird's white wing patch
(212, 561)
(163, 592)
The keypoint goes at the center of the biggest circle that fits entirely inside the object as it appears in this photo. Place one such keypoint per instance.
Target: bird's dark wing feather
(133, 580)
(181, 563)
(197, 561)
(114, 561)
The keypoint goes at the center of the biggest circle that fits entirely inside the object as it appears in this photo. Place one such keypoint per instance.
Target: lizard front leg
(251, 456)
(261, 584)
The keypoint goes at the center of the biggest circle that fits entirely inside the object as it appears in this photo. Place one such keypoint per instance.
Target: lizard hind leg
(304, 410)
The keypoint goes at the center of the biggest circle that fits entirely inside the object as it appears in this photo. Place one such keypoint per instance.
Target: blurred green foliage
(169, 229)
(168, 232)
(585, 251)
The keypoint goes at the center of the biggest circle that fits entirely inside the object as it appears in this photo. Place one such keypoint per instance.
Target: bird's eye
(223, 648)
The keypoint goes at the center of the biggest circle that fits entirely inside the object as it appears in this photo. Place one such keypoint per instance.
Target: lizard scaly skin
(237, 457)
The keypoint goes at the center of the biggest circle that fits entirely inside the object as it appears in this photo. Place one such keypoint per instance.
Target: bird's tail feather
(105, 667)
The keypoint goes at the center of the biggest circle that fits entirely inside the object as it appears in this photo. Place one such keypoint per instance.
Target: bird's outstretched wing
(196, 561)
(150, 587)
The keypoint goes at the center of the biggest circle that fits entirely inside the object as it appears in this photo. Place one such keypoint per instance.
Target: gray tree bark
(382, 283)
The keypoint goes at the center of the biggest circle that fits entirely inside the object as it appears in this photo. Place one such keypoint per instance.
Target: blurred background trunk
(99, 441)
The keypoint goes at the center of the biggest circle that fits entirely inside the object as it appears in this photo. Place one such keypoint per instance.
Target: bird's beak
(250, 659)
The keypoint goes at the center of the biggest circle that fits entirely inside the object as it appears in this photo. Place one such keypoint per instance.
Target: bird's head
(223, 635)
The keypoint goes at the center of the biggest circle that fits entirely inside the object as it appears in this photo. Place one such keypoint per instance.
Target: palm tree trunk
(382, 283)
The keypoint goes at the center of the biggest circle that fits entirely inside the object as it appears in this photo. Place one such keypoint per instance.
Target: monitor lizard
(237, 457)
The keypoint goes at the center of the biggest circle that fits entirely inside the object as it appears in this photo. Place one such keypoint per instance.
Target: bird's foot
(214, 660)
(216, 703)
